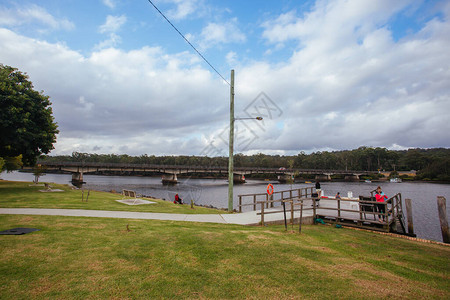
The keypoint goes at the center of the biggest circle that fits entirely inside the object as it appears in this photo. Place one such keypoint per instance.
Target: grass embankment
(26, 194)
(97, 258)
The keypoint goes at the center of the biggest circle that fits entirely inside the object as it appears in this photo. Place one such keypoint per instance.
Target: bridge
(170, 172)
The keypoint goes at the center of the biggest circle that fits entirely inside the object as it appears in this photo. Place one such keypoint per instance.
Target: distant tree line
(430, 164)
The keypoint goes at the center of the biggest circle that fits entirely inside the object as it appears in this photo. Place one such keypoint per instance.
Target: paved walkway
(247, 218)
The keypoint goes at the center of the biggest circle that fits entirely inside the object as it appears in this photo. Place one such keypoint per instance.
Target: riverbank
(210, 192)
(28, 195)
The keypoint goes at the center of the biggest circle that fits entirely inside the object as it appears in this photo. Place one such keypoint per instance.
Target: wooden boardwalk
(292, 205)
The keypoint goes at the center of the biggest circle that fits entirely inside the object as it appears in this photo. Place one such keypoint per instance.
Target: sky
(325, 75)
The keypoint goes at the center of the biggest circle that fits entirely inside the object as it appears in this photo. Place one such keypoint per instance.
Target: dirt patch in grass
(45, 285)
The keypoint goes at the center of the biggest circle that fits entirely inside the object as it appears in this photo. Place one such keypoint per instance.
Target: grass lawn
(79, 258)
(25, 194)
(98, 258)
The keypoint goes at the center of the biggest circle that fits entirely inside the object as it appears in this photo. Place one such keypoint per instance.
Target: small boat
(395, 180)
(368, 181)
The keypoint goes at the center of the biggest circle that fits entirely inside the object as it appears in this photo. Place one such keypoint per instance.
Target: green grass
(80, 258)
(25, 194)
(98, 258)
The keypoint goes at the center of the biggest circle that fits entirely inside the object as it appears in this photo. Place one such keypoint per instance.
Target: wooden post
(254, 202)
(262, 213)
(360, 211)
(314, 209)
(408, 204)
(292, 211)
(339, 209)
(301, 217)
(240, 203)
(442, 209)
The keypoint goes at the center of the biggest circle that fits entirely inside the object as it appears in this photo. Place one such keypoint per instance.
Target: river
(215, 192)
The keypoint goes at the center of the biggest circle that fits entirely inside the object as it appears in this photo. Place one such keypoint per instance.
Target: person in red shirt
(178, 200)
(381, 207)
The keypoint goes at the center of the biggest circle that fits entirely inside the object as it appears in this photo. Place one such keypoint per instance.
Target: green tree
(26, 121)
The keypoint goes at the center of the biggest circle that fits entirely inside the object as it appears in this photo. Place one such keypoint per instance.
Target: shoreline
(299, 180)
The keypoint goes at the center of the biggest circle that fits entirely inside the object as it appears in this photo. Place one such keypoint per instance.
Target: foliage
(38, 171)
(26, 120)
(11, 163)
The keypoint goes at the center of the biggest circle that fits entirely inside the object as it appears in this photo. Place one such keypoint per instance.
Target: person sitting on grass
(178, 200)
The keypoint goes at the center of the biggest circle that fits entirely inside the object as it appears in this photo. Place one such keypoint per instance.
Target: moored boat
(395, 180)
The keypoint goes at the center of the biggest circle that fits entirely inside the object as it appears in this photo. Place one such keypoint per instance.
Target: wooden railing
(344, 211)
(276, 197)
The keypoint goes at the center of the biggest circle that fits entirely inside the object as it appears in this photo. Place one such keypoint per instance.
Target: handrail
(392, 207)
(297, 193)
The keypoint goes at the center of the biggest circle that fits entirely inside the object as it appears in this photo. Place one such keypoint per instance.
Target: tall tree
(26, 122)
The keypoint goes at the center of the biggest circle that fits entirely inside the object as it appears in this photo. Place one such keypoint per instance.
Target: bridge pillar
(238, 178)
(77, 178)
(169, 179)
(351, 177)
(285, 178)
(323, 177)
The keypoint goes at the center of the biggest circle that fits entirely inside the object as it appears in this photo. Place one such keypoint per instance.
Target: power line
(198, 52)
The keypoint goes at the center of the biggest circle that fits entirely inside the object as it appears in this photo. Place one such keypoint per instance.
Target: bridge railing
(199, 168)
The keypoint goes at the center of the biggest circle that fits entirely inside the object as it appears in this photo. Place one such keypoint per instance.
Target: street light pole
(231, 142)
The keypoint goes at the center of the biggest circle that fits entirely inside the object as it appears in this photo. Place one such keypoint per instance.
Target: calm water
(215, 192)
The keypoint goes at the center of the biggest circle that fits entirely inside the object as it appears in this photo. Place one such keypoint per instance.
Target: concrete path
(247, 218)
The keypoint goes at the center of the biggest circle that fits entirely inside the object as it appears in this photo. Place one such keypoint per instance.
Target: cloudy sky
(324, 74)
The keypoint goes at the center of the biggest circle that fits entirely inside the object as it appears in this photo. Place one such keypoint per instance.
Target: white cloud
(346, 83)
(112, 24)
(221, 33)
(183, 8)
(110, 27)
(350, 84)
(32, 14)
(143, 98)
(109, 3)
(112, 41)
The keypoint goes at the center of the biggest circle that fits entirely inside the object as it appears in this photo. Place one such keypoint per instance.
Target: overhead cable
(198, 52)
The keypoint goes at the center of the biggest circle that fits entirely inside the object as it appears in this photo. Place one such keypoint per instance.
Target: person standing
(380, 197)
(318, 190)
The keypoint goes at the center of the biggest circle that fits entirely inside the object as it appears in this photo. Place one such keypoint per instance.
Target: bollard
(442, 209)
(408, 204)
